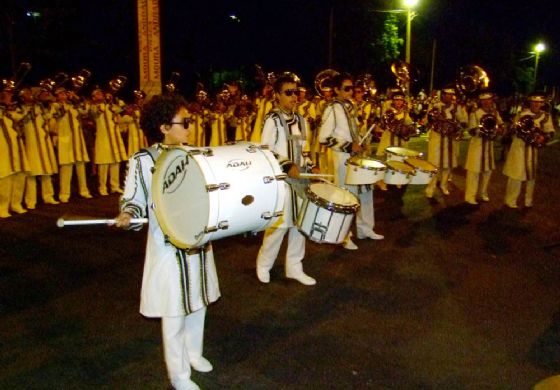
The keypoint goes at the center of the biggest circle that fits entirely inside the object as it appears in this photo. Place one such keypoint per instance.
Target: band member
(322, 155)
(339, 132)
(177, 284)
(38, 148)
(13, 161)
(72, 150)
(447, 125)
(109, 146)
(218, 120)
(286, 134)
(521, 160)
(483, 127)
(263, 104)
(129, 122)
(243, 115)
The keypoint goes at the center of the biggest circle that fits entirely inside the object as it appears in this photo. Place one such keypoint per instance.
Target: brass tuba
(471, 78)
(323, 81)
(404, 74)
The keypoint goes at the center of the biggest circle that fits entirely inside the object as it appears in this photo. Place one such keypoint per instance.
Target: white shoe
(263, 275)
(371, 234)
(444, 190)
(201, 364)
(471, 201)
(485, 198)
(303, 278)
(349, 244)
(511, 206)
(184, 384)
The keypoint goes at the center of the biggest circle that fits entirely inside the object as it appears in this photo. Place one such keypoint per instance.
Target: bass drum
(326, 213)
(207, 194)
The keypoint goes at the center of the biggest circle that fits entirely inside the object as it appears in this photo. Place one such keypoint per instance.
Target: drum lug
(215, 187)
(223, 225)
(252, 148)
(281, 177)
(269, 215)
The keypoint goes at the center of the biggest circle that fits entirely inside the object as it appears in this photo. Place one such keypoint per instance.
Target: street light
(409, 4)
(539, 48)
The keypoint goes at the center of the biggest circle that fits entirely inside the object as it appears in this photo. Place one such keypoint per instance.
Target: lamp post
(539, 48)
(409, 4)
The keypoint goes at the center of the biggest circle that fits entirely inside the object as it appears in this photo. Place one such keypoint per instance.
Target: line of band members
(58, 133)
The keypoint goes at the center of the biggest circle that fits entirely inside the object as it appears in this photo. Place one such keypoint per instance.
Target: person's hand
(293, 172)
(356, 147)
(123, 220)
(315, 170)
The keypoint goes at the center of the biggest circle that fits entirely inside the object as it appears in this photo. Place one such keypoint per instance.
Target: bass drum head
(401, 167)
(181, 202)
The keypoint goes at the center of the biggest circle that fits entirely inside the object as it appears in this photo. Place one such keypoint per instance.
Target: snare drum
(327, 212)
(423, 170)
(398, 173)
(400, 154)
(363, 170)
(206, 194)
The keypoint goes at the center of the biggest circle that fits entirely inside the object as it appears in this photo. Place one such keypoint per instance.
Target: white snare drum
(398, 173)
(364, 170)
(423, 170)
(400, 154)
(206, 194)
(326, 214)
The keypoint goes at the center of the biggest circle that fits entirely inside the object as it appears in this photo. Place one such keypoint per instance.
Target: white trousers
(183, 339)
(65, 177)
(443, 177)
(365, 217)
(272, 242)
(112, 170)
(513, 190)
(474, 181)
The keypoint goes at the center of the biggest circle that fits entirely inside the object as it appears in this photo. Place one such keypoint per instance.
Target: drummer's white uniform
(521, 161)
(289, 152)
(335, 133)
(480, 157)
(176, 286)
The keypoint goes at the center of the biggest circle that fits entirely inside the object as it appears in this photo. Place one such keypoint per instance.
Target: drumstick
(311, 175)
(61, 222)
(367, 133)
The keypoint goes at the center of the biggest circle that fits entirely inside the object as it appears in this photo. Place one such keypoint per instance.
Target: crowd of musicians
(49, 132)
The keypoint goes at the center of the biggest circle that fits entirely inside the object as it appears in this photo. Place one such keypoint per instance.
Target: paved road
(455, 297)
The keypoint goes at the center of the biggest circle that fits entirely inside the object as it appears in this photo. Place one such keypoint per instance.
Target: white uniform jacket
(480, 156)
(174, 283)
(291, 146)
(522, 158)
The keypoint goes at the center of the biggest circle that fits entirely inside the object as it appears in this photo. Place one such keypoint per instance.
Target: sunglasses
(348, 88)
(290, 92)
(186, 122)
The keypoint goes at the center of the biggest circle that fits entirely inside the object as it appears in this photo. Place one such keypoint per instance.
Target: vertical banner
(149, 50)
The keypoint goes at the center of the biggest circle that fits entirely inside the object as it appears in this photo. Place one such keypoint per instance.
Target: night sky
(199, 37)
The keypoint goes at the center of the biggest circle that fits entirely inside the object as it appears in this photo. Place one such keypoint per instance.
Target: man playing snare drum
(339, 131)
(286, 133)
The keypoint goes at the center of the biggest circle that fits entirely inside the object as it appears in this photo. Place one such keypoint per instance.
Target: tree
(388, 43)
